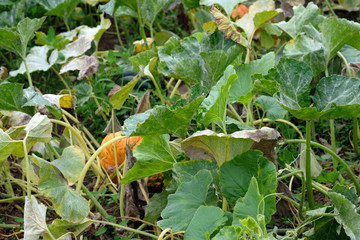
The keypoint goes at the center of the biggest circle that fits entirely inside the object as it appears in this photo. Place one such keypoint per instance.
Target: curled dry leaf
(144, 103)
(88, 65)
(224, 147)
(225, 25)
(114, 90)
(3, 73)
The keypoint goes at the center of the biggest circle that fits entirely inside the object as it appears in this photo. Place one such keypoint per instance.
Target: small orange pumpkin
(239, 11)
(107, 157)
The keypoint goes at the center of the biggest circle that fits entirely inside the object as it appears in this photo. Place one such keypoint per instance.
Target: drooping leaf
(75, 49)
(315, 166)
(34, 219)
(348, 217)
(87, 66)
(12, 98)
(153, 156)
(205, 221)
(302, 17)
(351, 54)
(71, 163)
(349, 193)
(183, 204)
(67, 203)
(271, 107)
(235, 177)
(142, 59)
(221, 147)
(162, 120)
(228, 5)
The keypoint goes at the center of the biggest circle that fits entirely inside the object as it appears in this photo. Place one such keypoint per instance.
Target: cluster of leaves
(225, 185)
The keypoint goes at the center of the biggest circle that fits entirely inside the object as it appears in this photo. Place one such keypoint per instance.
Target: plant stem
(118, 32)
(289, 175)
(28, 73)
(330, 8)
(237, 116)
(96, 203)
(62, 79)
(91, 160)
(125, 228)
(28, 183)
(121, 199)
(308, 178)
(355, 136)
(333, 140)
(175, 88)
(335, 156)
(4, 225)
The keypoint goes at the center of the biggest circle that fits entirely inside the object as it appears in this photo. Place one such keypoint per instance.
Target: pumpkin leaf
(153, 156)
(162, 120)
(236, 175)
(157, 203)
(12, 98)
(71, 163)
(38, 129)
(347, 215)
(183, 204)
(34, 219)
(87, 66)
(229, 233)
(59, 226)
(271, 107)
(205, 221)
(67, 203)
(6, 146)
(223, 147)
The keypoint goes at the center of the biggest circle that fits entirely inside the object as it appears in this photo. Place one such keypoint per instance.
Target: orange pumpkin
(239, 11)
(107, 157)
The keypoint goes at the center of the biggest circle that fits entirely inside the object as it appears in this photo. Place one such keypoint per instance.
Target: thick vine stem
(308, 178)
(335, 156)
(91, 160)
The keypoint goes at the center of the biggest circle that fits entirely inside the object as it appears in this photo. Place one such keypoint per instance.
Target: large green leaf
(215, 105)
(244, 83)
(148, 10)
(338, 32)
(162, 120)
(183, 204)
(348, 217)
(351, 54)
(235, 177)
(337, 97)
(251, 205)
(157, 203)
(228, 5)
(71, 163)
(153, 156)
(185, 171)
(48, 5)
(12, 98)
(67, 203)
(205, 221)
(63, 9)
(309, 51)
(302, 17)
(10, 40)
(223, 147)
(197, 62)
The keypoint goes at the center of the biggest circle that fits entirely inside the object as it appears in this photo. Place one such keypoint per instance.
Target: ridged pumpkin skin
(239, 11)
(107, 158)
